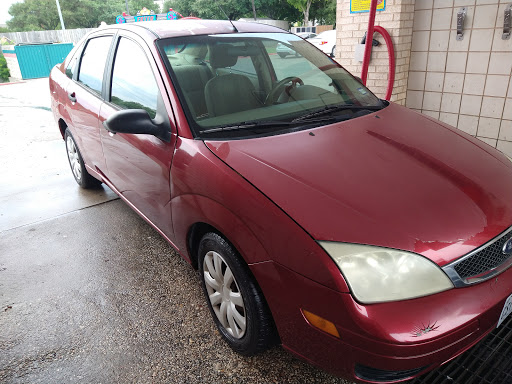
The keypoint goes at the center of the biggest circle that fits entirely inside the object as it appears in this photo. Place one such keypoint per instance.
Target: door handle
(72, 97)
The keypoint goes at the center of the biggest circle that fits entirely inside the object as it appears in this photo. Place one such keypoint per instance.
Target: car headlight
(377, 274)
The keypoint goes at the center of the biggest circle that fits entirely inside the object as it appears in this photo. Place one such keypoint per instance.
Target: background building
(465, 83)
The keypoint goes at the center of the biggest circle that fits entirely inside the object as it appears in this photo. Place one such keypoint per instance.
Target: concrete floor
(88, 291)
(35, 182)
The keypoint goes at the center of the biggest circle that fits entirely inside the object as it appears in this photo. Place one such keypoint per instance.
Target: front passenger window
(133, 83)
(93, 62)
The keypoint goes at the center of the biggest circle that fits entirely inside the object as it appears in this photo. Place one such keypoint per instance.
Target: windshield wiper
(306, 119)
(248, 125)
(337, 108)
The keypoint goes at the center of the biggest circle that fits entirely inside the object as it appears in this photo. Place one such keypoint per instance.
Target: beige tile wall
(397, 18)
(468, 83)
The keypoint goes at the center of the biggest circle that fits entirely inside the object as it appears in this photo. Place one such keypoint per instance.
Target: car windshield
(234, 85)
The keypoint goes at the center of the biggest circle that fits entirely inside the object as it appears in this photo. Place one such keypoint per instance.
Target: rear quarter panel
(58, 82)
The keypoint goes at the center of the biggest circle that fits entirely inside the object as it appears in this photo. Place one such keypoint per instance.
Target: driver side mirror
(136, 121)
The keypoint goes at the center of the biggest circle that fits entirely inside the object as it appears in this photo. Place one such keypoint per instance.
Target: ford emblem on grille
(507, 247)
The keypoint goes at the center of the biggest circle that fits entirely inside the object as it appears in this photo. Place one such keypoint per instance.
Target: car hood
(394, 178)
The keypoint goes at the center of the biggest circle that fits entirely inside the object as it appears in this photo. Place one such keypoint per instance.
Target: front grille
(488, 362)
(484, 260)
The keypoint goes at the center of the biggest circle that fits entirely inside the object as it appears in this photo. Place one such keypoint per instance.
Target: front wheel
(77, 165)
(234, 298)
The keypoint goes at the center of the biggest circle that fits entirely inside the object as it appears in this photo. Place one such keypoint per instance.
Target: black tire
(76, 162)
(282, 55)
(333, 52)
(259, 333)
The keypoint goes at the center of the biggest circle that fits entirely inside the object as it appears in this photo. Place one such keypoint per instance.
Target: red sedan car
(367, 239)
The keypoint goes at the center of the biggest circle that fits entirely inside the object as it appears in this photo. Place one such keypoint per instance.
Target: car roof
(173, 28)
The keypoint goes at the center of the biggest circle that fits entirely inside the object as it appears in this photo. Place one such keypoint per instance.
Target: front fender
(204, 189)
(188, 210)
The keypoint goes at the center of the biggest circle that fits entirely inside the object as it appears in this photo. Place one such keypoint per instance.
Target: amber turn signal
(321, 323)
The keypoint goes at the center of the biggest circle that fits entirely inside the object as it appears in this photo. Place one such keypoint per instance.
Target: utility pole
(254, 10)
(127, 11)
(60, 15)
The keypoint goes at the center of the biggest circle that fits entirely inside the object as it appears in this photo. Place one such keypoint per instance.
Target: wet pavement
(35, 182)
(89, 292)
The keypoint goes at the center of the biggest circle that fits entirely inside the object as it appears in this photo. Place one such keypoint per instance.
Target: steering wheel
(279, 87)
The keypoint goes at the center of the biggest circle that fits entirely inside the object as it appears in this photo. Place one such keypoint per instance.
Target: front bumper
(488, 362)
(412, 335)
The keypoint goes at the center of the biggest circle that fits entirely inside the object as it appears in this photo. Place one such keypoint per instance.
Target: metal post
(369, 40)
(60, 15)
(254, 10)
(127, 10)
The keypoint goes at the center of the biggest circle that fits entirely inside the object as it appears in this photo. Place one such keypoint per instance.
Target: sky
(4, 8)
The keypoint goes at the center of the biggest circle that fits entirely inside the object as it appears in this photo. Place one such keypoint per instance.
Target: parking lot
(88, 291)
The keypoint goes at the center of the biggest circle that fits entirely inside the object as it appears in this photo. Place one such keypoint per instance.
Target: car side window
(133, 83)
(93, 62)
(72, 60)
(70, 68)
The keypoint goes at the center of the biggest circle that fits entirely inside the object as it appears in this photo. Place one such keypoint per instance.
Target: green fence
(38, 60)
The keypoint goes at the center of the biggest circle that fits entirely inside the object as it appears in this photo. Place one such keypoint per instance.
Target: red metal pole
(369, 39)
(391, 59)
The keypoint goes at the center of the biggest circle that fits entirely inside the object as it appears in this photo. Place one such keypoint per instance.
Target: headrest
(226, 55)
(219, 57)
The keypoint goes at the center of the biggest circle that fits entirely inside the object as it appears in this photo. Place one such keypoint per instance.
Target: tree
(207, 9)
(324, 11)
(185, 7)
(303, 6)
(278, 10)
(33, 15)
(4, 71)
(36, 15)
(136, 5)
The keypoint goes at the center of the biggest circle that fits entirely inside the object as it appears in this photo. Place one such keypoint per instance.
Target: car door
(138, 164)
(84, 98)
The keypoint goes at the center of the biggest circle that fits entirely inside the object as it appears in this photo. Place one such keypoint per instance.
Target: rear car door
(138, 164)
(84, 97)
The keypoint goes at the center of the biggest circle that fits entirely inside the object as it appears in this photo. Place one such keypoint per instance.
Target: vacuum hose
(368, 48)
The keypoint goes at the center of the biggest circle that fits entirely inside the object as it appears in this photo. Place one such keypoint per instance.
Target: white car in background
(325, 41)
(306, 35)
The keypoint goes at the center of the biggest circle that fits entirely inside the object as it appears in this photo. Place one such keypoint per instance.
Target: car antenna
(229, 18)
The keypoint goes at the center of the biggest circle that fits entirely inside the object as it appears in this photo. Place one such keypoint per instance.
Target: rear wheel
(333, 52)
(234, 298)
(77, 165)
